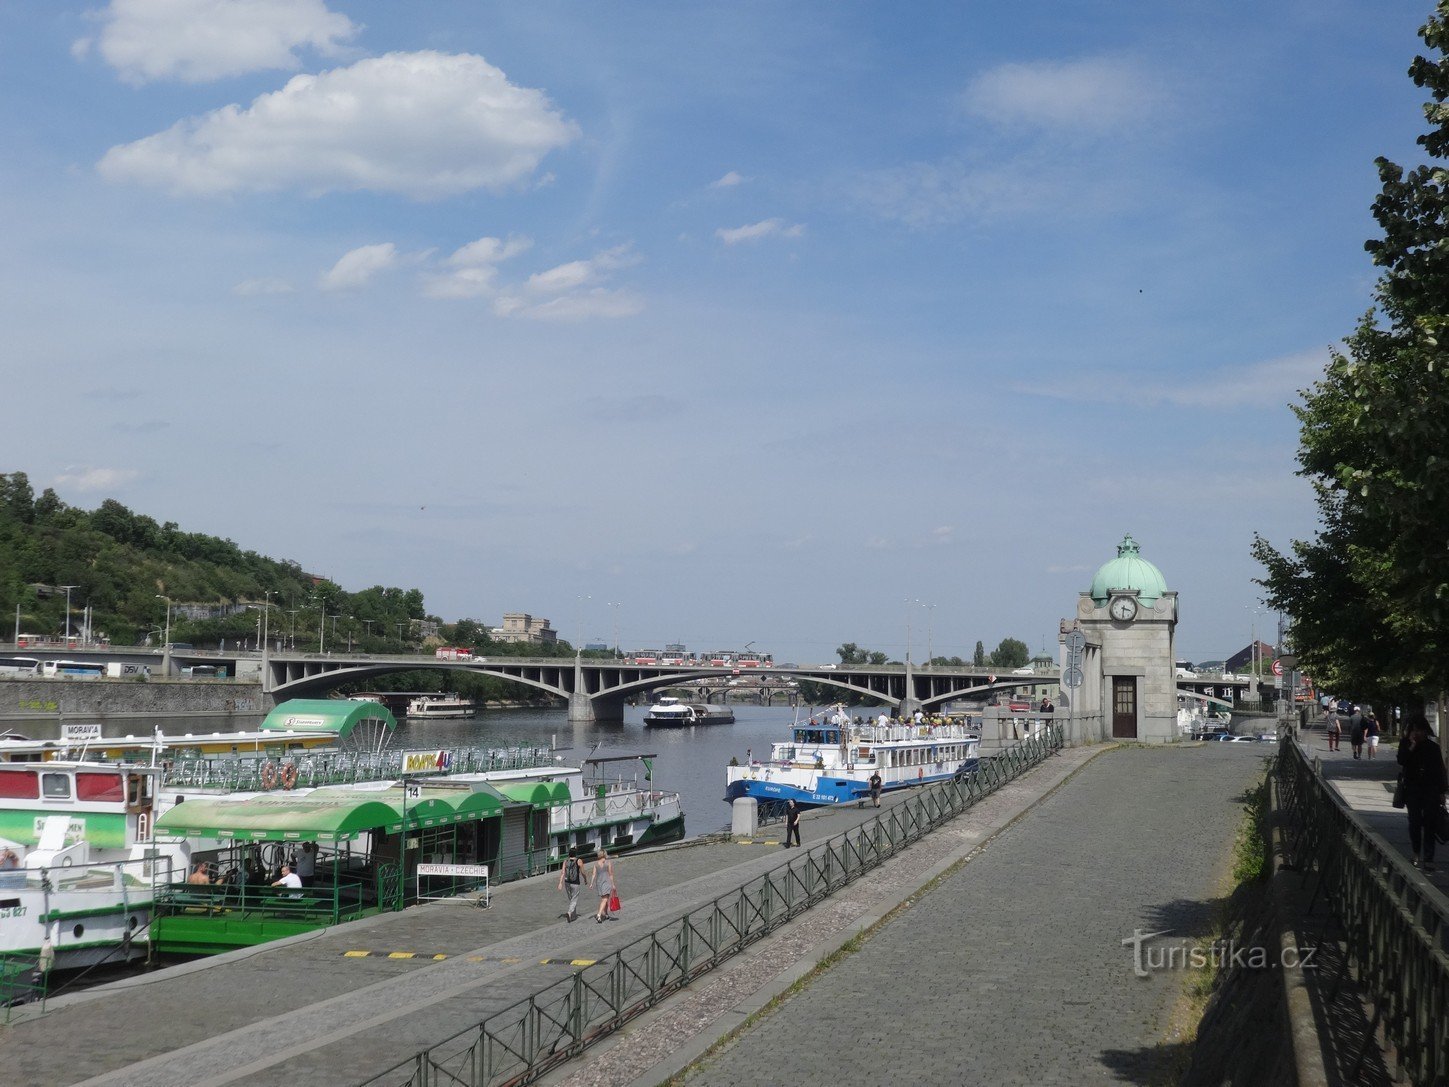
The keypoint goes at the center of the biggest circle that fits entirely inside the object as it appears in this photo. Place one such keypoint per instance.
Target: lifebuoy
(269, 775)
(289, 776)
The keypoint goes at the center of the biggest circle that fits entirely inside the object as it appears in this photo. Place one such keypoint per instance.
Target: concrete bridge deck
(1039, 913)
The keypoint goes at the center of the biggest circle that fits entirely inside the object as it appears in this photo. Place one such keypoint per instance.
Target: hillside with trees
(121, 568)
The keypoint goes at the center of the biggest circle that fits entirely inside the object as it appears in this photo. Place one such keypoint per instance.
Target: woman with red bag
(603, 880)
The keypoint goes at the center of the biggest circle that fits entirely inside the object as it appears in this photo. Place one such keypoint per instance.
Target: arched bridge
(596, 690)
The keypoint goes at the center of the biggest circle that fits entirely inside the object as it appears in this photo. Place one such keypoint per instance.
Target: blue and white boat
(830, 761)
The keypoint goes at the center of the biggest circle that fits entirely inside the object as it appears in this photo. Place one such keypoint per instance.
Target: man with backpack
(571, 880)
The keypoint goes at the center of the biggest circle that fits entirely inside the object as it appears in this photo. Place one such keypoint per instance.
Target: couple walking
(573, 878)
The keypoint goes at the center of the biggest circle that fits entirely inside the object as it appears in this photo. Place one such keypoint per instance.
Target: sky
(779, 325)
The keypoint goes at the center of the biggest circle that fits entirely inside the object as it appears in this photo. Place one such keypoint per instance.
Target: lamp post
(292, 630)
(615, 605)
(67, 589)
(166, 638)
(349, 634)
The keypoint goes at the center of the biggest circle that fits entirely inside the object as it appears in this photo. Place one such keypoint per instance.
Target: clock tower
(1128, 687)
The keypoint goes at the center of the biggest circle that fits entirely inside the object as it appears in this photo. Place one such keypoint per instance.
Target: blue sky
(785, 324)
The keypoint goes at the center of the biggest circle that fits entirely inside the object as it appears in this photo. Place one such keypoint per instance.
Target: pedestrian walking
(792, 823)
(572, 881)
(1371, 731)
(1425, 784)
(1355, 732)
(1335, 731)
(602, 877)
(875, 787)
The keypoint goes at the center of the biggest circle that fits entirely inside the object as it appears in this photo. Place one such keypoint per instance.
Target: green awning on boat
(279, 817)
(328, 715)
(329, 814)
(541, 794)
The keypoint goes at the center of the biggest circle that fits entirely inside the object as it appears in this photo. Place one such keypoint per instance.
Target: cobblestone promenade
(1012, 969)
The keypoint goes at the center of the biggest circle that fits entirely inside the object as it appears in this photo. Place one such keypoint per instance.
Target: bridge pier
(596, 709)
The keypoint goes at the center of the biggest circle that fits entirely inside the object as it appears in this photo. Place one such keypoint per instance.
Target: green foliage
(978, 658)
(1011, 653)
(850, 653)
(123, 564)
(1369, 597)
(1250, 849)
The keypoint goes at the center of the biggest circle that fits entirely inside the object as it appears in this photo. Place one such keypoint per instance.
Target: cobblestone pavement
(1012, 969)
(303, 1008)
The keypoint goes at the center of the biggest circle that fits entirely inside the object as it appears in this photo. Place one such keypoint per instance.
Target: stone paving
(303, 1008)
(1012, 969)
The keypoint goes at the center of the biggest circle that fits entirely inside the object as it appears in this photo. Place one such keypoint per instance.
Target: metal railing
(1395, 923)
(257, 771)
(21, 982)
(522, 1042)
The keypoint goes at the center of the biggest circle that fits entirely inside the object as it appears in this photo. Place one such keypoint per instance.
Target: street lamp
(166, 638)
(67, 589)
(615, 605)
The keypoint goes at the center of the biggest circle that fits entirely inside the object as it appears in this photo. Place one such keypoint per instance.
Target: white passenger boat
(76, 863)
(433, 705)
(670, 712)
(831, 761)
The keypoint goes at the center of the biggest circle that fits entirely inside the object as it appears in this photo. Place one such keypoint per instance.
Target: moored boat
(671, 712)
(428, 706)
(831, 761)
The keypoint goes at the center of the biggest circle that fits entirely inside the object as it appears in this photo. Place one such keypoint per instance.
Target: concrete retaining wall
(105, 699)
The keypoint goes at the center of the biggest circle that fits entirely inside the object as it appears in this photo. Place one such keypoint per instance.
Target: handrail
(1396, 923)
(524, 1041)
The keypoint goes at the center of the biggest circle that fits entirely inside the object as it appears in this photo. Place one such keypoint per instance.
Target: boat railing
(109, 877)
(629, 803)
(22, 981)
(326, 902)
(247, 772)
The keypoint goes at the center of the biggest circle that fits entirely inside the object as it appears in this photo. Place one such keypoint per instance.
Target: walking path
(1013, 968)
(1367, 786)
(335, 1007)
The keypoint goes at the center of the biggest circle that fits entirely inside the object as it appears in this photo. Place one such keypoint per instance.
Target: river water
(689, 760)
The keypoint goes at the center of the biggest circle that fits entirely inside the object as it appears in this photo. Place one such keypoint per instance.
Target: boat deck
(340, 1005)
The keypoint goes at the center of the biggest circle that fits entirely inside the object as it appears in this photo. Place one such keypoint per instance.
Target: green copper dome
(1129, 570)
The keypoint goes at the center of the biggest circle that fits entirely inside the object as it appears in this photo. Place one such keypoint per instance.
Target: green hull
(201, 933)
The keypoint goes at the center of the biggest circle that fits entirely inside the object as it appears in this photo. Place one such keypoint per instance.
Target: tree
(979, 657)
(1011, 653)
(1369, 597)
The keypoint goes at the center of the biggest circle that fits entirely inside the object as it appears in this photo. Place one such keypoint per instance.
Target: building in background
(519, 626)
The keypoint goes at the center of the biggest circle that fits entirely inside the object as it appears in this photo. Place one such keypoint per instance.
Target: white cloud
(94, 479)
(766, 228)
(473, 268)
(424, 125)
(1269, 384)
(195, 41)
(729, 181)
(358, 267)
(1093, 93)
(577, 306)
(265, 285)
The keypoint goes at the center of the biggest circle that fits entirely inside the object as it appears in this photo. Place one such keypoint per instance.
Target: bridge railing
(1396, 923)
(521, 1043)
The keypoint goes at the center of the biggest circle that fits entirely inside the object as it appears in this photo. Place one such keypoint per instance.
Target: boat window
(20, 785)
(95, 786)
(55, 785)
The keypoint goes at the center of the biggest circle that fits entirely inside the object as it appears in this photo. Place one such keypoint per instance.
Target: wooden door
(1124, 707)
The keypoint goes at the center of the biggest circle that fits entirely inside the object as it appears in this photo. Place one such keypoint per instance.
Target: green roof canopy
(339, 715)
(541, 794)
(328, 814)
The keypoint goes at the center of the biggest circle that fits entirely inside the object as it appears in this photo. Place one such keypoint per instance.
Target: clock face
(1124, 608)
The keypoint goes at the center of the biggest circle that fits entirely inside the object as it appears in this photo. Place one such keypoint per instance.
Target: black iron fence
(524, 1041)
(1396, 924)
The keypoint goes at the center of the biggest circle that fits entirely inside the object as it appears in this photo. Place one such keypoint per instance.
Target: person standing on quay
(1334, 730)
(1371, 730)
(875, 787)
(602, 878)
(571, 880)
(1425, 784)
(1355, 732)
(792, 823)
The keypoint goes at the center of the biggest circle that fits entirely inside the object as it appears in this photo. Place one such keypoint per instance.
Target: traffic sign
(1278, 668)
(1076, 641)
(1072, 677)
